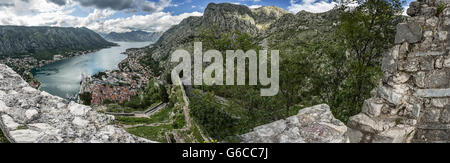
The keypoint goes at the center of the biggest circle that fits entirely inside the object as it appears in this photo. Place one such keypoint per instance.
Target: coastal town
(117, 85)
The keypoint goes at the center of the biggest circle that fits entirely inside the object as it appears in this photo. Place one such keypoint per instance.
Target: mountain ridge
(134, 36)
(16, 41)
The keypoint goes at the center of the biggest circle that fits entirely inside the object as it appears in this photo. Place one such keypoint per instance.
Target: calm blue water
(62, 78)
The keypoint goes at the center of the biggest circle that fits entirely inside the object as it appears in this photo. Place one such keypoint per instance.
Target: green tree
(86, 98)
(366, 31)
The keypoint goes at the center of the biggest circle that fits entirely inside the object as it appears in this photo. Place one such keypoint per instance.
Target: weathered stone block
(410, 65)
(388, 64)
(389, 95)
(427, 63)
(438, 64)
(415, 113)
(442, 35)
(26, 136)
(445, 115)
(372, 107)
(395, 135)
(429, 53)
(355, 136)
(440, 102)
(409, 32)
(419, 79)
(364, 123)
(432, 21)
(401, 77)
(446, 63)
(437, 79)
(9, 122)
(414, 8)
(428, 11)
(430, 115)
(433, 93)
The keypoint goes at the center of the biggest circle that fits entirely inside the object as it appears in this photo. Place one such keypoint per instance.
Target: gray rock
(427, 63)
(409, 32)
(389, 94)
(428, 11)
(419, 79)
(401, 77)
(388, 64)
(30, 116)
(311, 125)
(395, 135)
(414, 9)
(440, 102)
(437, 79)
(355, 136)
(433, 93)
(364, 123)
(372, 107)
(410, 65)
(447, 62)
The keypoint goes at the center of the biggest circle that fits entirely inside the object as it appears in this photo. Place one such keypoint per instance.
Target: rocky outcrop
(311, 125)
(412, 104)
(28, 115)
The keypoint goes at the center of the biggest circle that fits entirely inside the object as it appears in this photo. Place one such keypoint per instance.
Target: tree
(86, 98)
(366, 31)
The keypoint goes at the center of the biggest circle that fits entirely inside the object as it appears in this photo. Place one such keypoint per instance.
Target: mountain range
(134, 36)
(18, 41)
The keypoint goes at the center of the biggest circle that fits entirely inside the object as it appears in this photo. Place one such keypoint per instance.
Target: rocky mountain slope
(267, 26)
(222, 17)
(43, 41)
(134, 36)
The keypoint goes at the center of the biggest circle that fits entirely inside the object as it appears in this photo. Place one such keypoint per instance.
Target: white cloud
(46, 13)
(404, 10)
(313, 6)
(159, 21)
(254, 6)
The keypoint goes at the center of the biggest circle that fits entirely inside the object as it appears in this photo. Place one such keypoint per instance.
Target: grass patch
(196, 133)
(156, 133)
(133, 120)
(23, 127)
(3, 138)
(440, 8)
(161, 116)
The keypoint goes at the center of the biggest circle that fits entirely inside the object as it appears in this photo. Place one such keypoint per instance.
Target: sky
(105, 16)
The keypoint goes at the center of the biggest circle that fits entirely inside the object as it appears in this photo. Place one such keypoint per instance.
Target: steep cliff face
(413, 102)
(19, 40)
(28, 115)
(134, 36)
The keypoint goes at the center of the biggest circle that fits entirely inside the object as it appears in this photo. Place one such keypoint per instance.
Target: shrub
(86, 98)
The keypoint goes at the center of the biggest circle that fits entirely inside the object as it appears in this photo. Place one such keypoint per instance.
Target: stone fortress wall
(411, 105)
(413, 102)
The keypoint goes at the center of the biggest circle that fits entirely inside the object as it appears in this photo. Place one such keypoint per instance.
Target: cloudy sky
(106, 16)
